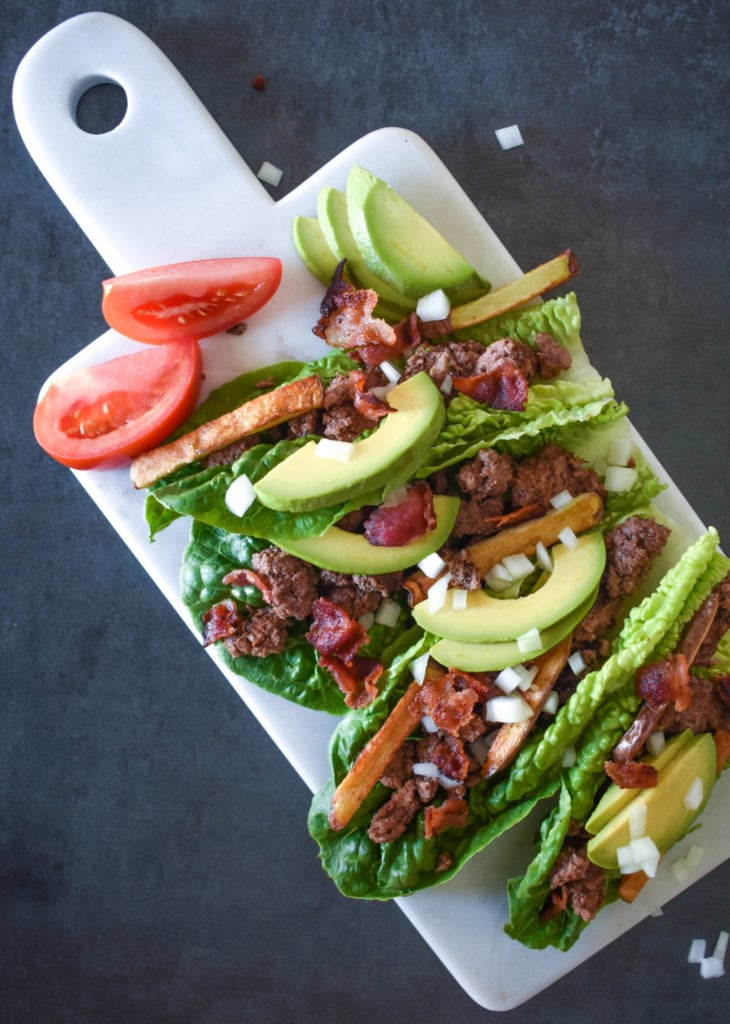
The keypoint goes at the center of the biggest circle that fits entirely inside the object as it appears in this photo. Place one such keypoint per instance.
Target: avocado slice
(342, 551)
(667, 819)
(310, 243)
(615, 798)
(388, 457)
(399, 245)
(332, 215)
(486, 619)
(471, 657)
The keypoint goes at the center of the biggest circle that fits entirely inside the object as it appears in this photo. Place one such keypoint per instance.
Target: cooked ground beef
(488, 475)
(392, 819)
(552, 358)
(344, 423)
(464, 573)
(707, 713)
(631, 547)
(471, 519)
(506, 350)
(228, 455)
(306, 424)
(719, 627)
(400, 768)
(292, 582)
(342, 590)
(552, 470)
(454, 358)
(260, 634)
(583, 881)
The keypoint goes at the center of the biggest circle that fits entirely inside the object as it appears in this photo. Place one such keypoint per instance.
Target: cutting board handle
(165, 184)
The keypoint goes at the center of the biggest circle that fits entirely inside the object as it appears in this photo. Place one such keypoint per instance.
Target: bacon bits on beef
(343, 591)
(260, 634)
(631, 774)
(220, 621)
(291, 582)
(540, 477)
(505, 388)
(392, 819)
(357, 679)
(507, 352)
(452, 813)
(663, 681)
(334, 632)
(397, 525)
(447, 753)
(349, 408)
(453, 358)
(578, 883)
(346, 317)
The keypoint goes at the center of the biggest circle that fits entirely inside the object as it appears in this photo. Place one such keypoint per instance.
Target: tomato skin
(186, 301)
(104, 414)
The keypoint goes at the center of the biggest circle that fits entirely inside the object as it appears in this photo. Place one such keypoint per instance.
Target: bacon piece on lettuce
(220, 622)
(505, 387)
(631, 774)
(397, 525)
(358, 679)
(334, 633)
(452, 813)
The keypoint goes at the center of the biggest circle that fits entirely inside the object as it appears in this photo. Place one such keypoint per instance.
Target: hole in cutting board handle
(101, 107)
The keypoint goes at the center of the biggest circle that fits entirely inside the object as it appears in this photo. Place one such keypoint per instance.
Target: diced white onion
(529, 642)
(551, 704)
(498, 578)
(428, 724)
(437, 593)
(644, 848)
(388, 613)
(510, 708)
(447, 385)
(637, 819)
(240, 495)
(526, 676)
(518, 566)
(270, 173)
(639, 854)
(366, 620)
(721, 946)
(508, 680)
(448, 783)
(427, 769)
(418, 668)
(459, 599)
(697, 949)
(544, 559)
(479, 748)
(681, 870)
(396, 497)
(509, 137)
(650, 864)
(694, 856)
(620, 478)
(692, 799)
(577, 663)
(432, 565)
(434, 306)
(391, 372)
(711, 967)
(619, 451)
(561, 499)
(328, 448)
(568, 538)
(656, 742)
(383, 392)
(569, 756)
(626, 860)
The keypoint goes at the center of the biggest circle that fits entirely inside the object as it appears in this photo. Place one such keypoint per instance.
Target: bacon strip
(346, 317)
(220, 622)
(396, 525)
(334, 632)
(452, 813)
(631, 774)
(357, 680)
(247, 577)
(505, 387)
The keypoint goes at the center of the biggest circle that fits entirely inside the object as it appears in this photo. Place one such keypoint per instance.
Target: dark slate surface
(154, 859)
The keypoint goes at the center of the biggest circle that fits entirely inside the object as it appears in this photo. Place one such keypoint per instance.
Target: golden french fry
(631, 885)
(532, 284)
(262, 412)
(512, 735)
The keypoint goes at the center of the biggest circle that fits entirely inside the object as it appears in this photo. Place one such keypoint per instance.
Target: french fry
(262, 412)
(532, 284)
(378, 752)
(631, 885)
(512, 735)
(583, 512)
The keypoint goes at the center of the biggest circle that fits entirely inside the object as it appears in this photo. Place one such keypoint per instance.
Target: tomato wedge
(183, 301)
(103, 414)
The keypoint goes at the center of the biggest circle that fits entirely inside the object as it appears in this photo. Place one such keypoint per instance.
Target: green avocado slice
(472, 657)
(388, 457)
(310, 243)
(615, 798)
(401, 246)
(342, 551)
(667, 817)
(486, 619)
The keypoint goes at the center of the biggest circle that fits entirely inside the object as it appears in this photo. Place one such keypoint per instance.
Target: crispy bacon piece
(346, 317)
(631, 774)
(452, 704)
(452, 813)
(247, 577)
(447, 753)
(396, 525)
(220, 622)
(358, 679)
(665, 681)
(334, 632)
(502, 388)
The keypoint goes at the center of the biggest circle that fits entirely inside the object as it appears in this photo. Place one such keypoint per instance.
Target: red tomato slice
(183, 301)
(105, 413)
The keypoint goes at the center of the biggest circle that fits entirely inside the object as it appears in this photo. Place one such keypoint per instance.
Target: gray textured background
(154, 859)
